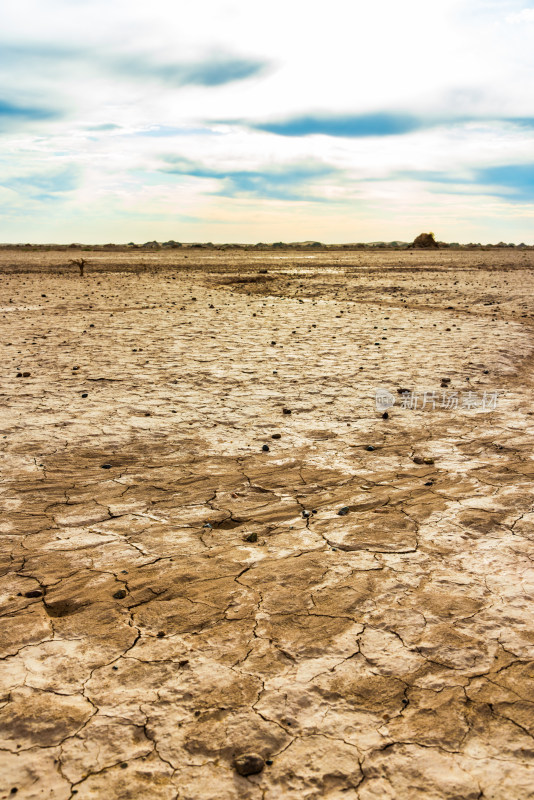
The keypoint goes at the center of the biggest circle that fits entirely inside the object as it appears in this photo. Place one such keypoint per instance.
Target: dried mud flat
(173, 596)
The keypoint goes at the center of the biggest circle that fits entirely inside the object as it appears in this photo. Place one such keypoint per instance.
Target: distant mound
(425, 241)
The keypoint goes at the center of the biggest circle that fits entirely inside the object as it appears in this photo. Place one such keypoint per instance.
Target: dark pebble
(250, 537)
(429, 483)
(418, 460)
(120, 595)
(34, 593)
(265, 448)
(26, 374)
(276, 436)
(385, 415)
(343, 511)
(369, 447)
(85, 394)
(286, 411)
(249, 764)
(305, 514)
(106, 466)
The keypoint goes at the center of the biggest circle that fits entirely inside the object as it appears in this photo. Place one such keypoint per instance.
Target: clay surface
(173, 597)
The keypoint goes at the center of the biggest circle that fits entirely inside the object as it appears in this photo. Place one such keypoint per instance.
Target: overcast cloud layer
(245, 121)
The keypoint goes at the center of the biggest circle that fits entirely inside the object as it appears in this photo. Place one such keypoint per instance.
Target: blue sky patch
(348, 125)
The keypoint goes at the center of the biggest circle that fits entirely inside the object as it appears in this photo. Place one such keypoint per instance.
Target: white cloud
(526, 15)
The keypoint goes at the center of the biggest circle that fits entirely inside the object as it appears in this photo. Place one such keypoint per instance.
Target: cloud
(512, 182)
(526, 15)
(44, 185)
(213, 71)
(345, 125)
(283, 182)
(12, 112)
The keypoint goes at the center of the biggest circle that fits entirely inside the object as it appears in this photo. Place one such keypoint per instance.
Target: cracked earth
(173, 596)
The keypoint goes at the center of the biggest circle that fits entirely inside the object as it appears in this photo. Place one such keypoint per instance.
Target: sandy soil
(173, 596)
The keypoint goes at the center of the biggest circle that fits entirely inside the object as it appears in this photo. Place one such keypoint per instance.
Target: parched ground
(172, 596)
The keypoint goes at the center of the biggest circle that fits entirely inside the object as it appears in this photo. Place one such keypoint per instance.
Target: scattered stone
(19, 375)
(276, 436)
(85, 394)
(305, 514)
(418, 460)
(428, 460)
(250, 537)
(265, 448)
(120, 595)
(343, 511)
(370, 447)
(106, 466)
(385, 415)
(34, 593)
(249, 764)
(26, 374)
(286, 411)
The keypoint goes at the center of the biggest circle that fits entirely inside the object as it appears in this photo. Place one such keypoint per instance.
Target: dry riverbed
(191, 574)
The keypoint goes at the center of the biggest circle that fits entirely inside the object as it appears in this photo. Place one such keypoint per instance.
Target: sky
(247, 121)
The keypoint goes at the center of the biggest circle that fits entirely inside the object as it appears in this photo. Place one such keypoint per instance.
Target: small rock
(418, 460)
(428, 460)
(385, 415)
(286, 411)
(249, 764)
(26, 374)
(85, 394)
(276, 436)
(429, 483)
(265, 448)
(343, 511)
(305, 514)
(273, 344)
(19, 375)
(34, 593)
(120, 595)
(250, 537)
(370, 447)
(106, 466)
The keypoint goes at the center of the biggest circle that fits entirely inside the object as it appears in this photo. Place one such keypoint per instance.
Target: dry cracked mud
(173, 596)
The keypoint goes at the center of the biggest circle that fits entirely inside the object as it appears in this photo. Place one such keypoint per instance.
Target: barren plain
(349, 601)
